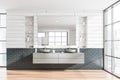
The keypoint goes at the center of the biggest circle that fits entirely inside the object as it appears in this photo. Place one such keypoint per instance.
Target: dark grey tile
(21, 58)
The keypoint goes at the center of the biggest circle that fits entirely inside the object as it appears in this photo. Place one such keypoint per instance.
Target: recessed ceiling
(55, 4)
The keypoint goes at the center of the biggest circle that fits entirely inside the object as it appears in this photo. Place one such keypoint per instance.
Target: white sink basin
(70, 51)
(45, 51)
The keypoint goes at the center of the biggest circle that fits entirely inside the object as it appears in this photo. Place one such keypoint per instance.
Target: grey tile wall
(21, 58)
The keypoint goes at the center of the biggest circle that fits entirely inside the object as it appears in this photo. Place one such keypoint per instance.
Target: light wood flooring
(55, 75)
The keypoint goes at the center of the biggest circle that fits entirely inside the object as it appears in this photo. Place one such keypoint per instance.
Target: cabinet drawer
(71, 61)
(45, 56)
(71, 56)
(45, 61)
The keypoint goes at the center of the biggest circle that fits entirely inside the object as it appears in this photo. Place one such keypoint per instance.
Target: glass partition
(108, 16)
(116, 12)
(112, 39)
(2, 40)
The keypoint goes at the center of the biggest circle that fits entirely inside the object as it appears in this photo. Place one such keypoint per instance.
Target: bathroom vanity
(58, 58)
(29, 29)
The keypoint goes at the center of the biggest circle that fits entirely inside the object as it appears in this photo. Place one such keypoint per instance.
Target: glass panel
(108, 48)
(51, 34)
(51, 39)
(51, 43)
(64, 33)
(116, 31)
(57, 43)
(58, 39)
(2, 33)
(2, 59)
(117, 66)
(117, 49)
(116, 13)
(2, 47)
(112, 64)
(108, 63)
(64, 39)
(41, 34)
(108, 17)
(108, 32)
(57, 34)
(3, 21)
(64, 43)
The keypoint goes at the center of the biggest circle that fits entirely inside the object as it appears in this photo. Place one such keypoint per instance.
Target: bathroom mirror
(56, 30)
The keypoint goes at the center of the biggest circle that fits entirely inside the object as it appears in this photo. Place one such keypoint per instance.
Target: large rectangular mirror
(56, 30)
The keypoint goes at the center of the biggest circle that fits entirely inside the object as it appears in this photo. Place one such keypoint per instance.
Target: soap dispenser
(78, 51)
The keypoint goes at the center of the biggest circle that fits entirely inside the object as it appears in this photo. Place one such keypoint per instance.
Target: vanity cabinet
(69, 58)
(45, 58)
(58, 58)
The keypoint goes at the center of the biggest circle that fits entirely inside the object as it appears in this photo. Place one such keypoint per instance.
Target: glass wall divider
(2, 40)
(112, 39)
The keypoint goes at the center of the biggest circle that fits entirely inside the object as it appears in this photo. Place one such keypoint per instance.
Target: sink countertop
(59, 53)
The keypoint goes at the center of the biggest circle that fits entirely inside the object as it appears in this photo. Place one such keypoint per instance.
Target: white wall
(16, 27)
(95, 31)
(15, 31)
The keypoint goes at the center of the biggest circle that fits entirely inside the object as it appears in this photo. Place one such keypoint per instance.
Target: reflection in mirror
(56, 30)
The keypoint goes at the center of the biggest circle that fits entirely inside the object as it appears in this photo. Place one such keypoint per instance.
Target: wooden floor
(55, 75)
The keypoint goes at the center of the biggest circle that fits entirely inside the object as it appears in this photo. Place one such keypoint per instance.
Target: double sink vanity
(68, 56)
(58, 32)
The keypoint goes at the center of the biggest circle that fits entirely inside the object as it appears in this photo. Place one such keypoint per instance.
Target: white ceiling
(57, 22)
(55, 4)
